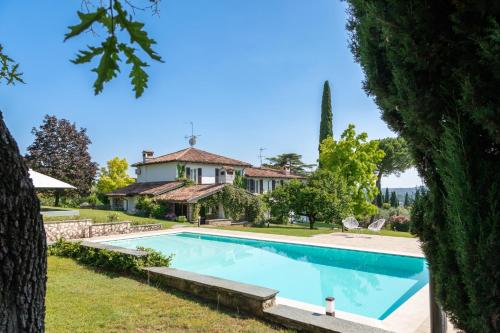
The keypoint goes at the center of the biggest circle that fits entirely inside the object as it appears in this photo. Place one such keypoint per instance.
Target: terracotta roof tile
(190, 193)
(193, 155)
(269, 173)
(152, 188)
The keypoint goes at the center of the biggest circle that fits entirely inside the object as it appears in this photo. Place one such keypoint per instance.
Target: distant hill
(400, 192)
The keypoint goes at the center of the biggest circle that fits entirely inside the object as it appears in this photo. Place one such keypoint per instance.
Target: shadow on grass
(142, 278)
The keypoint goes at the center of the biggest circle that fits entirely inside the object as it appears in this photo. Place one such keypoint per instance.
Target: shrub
(113, 217)
(400, 223)
(108, 260)
(181, 218)
(158, 211)
(386, 205)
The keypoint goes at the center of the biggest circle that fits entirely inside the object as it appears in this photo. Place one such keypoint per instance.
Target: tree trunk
(379, 182)
(23, 259)
(57, 195)
(438, 317)
(311, 222)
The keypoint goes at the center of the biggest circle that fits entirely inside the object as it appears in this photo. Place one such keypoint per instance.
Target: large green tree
(325, 126)
(113, 177)
(354, 159)
(433, 68)
(23, 249)
(324, 196)
(396, 160)
(292, 161)
(60, 150)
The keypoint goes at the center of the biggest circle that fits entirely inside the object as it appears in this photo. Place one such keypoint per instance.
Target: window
(261, 186)
(217, 176)
(251, 185)
(188, 172)
(273, 184)
(199, 176)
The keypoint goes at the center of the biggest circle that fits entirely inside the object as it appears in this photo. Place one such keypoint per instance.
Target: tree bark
(23, 259)
(57, 195)
(311, 222)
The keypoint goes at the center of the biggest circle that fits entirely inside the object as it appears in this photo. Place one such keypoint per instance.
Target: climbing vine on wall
(238, 204)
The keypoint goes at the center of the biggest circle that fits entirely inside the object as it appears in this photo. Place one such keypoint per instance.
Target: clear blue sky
(248, 73)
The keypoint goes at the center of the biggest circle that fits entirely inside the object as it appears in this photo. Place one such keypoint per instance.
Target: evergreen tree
(379, 200)
(386, 196)
(396, 160)
(394, 200)
(432, 68)
(407, 200)
(325, 127)
(292, 161)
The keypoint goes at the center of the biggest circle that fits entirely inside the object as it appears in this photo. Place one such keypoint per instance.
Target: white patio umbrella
(41, 181)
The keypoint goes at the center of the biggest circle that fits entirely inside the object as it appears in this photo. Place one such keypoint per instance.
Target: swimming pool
(364, 283)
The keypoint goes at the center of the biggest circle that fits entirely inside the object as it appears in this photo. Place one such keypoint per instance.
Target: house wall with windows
(262, 185)
(156, 172)
(199, 173)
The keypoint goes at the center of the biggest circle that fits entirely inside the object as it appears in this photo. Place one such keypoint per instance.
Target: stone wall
(72, 229)
(219, 222)
(145, 227)
(67, 229)
(111, 228)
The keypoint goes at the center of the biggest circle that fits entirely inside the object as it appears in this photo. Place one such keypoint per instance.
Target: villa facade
(164, 179)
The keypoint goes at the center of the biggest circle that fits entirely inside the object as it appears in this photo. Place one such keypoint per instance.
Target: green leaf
(137, 74)
(108, 66)
(134, 29)
(9, 69)
(87, 56)
(86, 20)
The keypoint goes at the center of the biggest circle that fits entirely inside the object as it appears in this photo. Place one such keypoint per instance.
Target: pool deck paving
(412, 316)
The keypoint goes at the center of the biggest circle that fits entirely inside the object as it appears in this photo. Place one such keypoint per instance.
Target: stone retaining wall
(72, 229)
(67, 229)
(111, 228)
(219, 222)
(145, 227)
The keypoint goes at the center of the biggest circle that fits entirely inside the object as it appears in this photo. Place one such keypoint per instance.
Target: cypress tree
(394, 199)
(325, 127)
(407, 200)
(386, 196)
(432, 68)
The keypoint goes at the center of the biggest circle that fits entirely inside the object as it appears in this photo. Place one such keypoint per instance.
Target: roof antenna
(192, 138)
(260, 154)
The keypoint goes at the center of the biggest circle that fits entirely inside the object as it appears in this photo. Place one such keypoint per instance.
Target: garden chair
(377, 225)
(350, 223)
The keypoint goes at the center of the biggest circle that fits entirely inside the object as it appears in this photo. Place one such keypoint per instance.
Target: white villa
(158, 177)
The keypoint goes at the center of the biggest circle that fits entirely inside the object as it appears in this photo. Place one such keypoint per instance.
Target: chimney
(287, 169)
(146, 155)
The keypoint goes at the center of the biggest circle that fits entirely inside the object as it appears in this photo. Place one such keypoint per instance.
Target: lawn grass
(288, 230)
(303, 230)
(80, 299)
(100, 215)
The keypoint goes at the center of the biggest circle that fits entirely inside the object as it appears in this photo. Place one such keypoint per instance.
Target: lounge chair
(350, 223)
(377, 225)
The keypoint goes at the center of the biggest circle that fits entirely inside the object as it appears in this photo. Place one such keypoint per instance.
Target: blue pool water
(364, 283)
